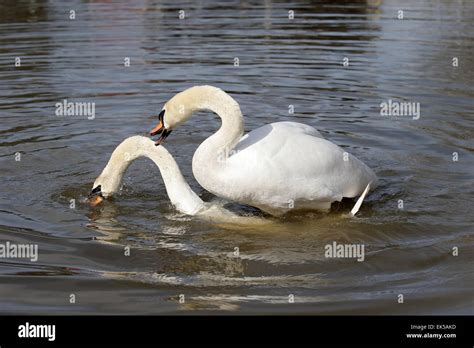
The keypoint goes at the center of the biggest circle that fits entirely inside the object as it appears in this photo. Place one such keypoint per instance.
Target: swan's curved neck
(181, 195)
(228, 110)
(213, 151)
(214, 99)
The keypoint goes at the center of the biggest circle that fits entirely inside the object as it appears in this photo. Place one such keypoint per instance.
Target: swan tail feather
(360, 200)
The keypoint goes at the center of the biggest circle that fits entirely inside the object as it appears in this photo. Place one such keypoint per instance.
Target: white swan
(183, 198)
(279, 167)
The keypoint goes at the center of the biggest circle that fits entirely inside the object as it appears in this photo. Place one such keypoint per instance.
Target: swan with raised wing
(279, 167)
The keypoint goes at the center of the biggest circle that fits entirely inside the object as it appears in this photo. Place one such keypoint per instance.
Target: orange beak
(96, 196)
(95, 200)
(158, 129)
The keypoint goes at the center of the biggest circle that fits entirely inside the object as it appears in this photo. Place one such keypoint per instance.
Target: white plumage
(279, 167)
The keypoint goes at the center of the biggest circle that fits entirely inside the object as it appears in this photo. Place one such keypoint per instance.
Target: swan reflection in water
(187, 261)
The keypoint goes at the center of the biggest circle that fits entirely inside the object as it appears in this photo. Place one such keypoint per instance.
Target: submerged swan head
(110, 180)
(180, 107)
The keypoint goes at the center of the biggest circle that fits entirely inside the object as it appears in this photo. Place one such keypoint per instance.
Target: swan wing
(291, 161)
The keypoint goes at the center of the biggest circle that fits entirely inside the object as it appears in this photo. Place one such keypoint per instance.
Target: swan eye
(161, 116)
(96, 189)
(160, 129)
(160, 126)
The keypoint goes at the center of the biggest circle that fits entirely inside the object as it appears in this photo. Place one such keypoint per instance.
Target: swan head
(109, 182)
(104, 187)
(163, 128)
(179, 109)
(100, 191)
(171, 116)
(96, 197)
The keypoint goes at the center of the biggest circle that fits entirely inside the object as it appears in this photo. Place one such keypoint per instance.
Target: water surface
(282, 62)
